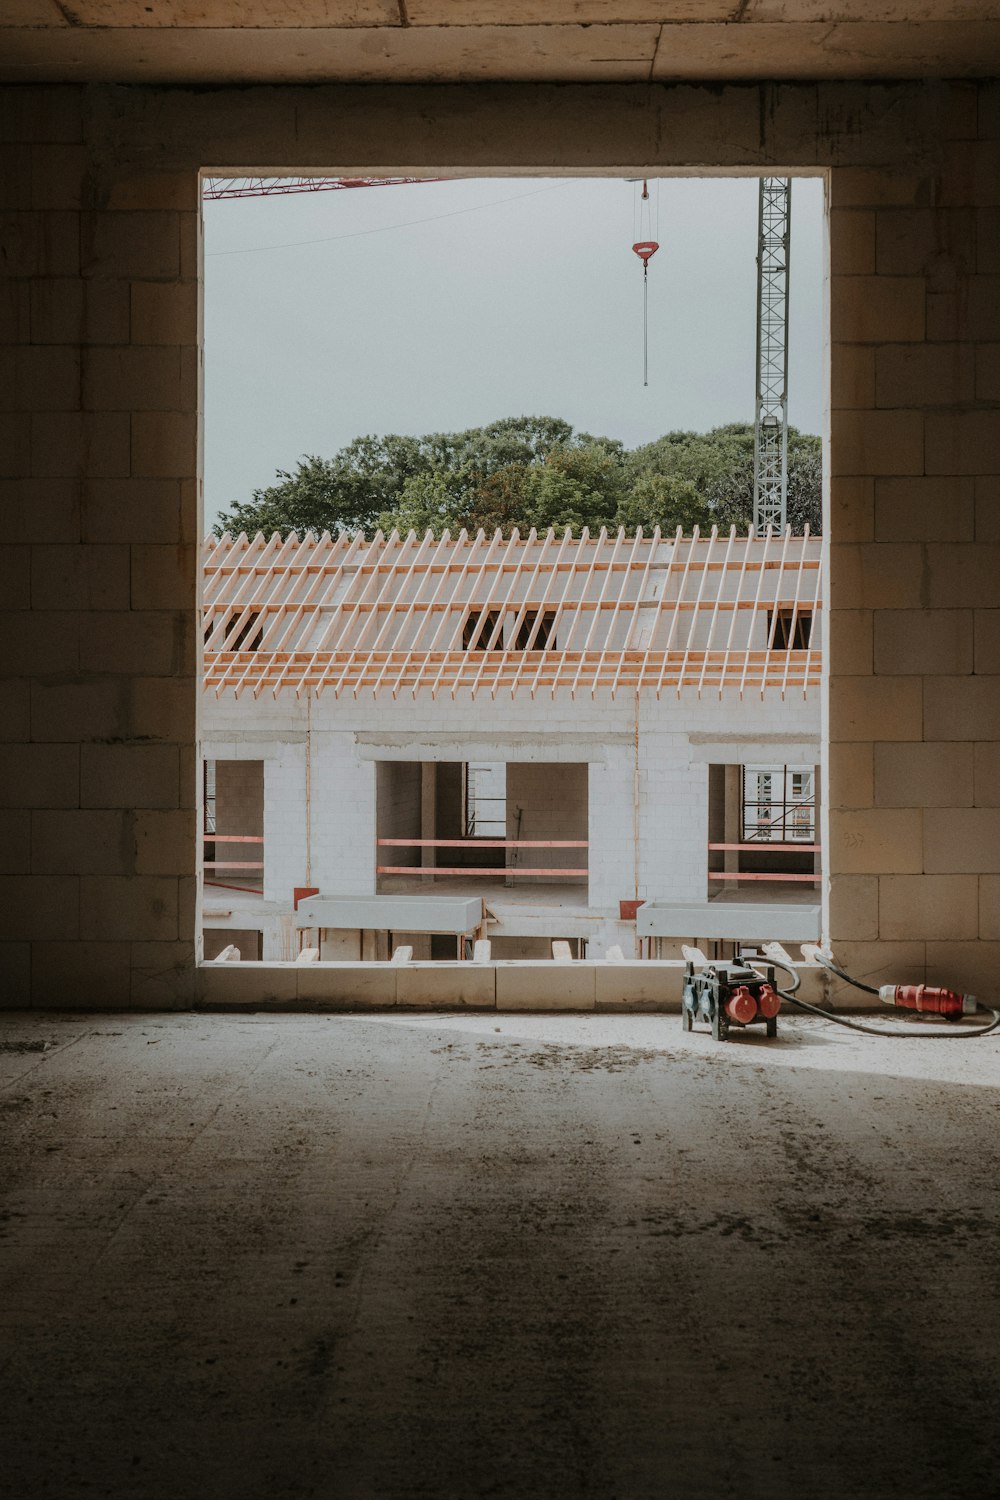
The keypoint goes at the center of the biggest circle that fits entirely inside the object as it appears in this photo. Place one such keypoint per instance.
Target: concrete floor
(521, 1256)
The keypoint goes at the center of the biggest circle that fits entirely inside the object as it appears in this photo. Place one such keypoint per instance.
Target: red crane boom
(266, 187)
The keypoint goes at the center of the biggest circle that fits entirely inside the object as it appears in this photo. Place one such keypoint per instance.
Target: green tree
(531, 471)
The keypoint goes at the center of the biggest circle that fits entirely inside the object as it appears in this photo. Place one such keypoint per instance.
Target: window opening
(779, 804)
(792, 628)
(486, 801)
(475, 635)
(545, 636)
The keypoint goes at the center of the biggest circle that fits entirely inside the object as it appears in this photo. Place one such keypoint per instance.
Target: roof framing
(616, 613)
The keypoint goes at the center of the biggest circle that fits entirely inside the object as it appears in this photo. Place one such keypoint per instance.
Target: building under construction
(609, 742)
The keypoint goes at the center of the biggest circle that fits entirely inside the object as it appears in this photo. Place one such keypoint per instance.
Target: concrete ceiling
(445, 41)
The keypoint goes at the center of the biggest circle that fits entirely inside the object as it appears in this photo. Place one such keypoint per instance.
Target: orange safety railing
(761, 847)
(493, 870)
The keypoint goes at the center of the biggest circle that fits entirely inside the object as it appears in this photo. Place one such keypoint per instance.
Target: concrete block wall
(99, 409)
(99, 406)
(915, 560)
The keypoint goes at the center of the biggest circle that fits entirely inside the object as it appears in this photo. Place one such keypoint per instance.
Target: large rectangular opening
(477, 656)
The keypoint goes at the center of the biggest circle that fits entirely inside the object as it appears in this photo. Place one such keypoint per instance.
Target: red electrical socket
(769, 1001)
(741, 1006)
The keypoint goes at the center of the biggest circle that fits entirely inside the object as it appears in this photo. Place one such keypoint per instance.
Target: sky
(443, 305)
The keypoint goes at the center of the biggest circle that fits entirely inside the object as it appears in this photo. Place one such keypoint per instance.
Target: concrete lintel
(566, 748)
(730, 921)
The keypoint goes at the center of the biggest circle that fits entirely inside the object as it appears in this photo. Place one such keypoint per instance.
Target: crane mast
(770, 457)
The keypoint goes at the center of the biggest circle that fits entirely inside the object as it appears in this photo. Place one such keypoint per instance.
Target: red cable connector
(769, 1002)
(923, 998)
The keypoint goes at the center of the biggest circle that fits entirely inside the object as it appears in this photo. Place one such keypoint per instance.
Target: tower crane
(770, 450)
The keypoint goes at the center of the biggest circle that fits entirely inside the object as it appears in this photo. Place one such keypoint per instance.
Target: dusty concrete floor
(261, 1257)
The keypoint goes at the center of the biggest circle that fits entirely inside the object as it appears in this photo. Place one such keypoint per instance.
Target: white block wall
(677, 740)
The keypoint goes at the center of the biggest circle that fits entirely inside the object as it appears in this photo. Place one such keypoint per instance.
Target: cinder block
(961, 840)
(76, 842)
(15, 976)
(40, 244)
(52, 113)
(850, 642)
(42, 641)
(546, 986)
(164, 976)
(876, 708)
(877, 309)
(165, 312)
(987, 383)
(852, 242)
(876, 575)
(989, 913)
(155, 190)
(67, 975)
(874, 187)
(15, 841)
(878, 442)
(924, 510)
(854, 908)
(962, 575)
(852, 509)
(15, 313)
(135, 908)
(68, 444)
(971, 967)
(129, 776)
(166, 843)
(40, 377)
(56, 311)
(39, 906)
(962, 442)
(962, 708)
(928, 906)
(988, 508)
(646, 986)
(15, 709)
(971, 174)
(971, 311)
(79, 577)
(131, 510)
(164, 708)
(852, 376)
(40, 775)
(875, 841)
(347, 986)
(15, 450)
(923, 641)
(454, 987)
(15, 577)
(58, 174)
(925, 375)
(133, 641)
(247, 986)
(878, 963)
(132, 244)
(924, 775)
(987, 240)
(164, 444)
(925, 242)
(135, 378)
(986, 772)
(987, 628)
(851, 775)
(165, 577)
(40, 510)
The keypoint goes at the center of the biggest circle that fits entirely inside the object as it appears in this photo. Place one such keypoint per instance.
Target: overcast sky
(446, 305)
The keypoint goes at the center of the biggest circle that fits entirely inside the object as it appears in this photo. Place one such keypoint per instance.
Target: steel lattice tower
(770, 458)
